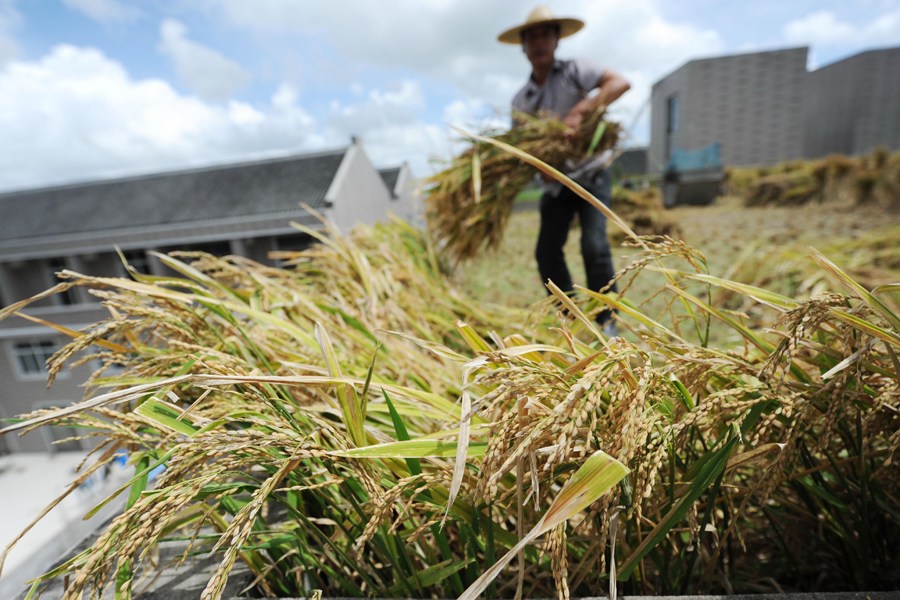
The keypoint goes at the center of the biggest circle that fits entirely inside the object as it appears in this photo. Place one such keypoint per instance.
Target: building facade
(750, 104)
(765, 107)
(244, 209)
(853, 105)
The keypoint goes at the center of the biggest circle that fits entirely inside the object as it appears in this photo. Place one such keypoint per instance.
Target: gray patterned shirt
(568, 83)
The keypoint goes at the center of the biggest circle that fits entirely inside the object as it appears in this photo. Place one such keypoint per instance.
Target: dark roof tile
(390, 176)
(223, 192)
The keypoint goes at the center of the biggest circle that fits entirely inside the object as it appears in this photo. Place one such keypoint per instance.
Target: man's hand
(573, 121)
(609, 88)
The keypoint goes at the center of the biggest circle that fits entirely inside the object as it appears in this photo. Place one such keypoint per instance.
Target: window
(293, 242)
(55, 265)
(138, 260)
(672, 114)
(31, 357)
(671, 123)
(287, 244)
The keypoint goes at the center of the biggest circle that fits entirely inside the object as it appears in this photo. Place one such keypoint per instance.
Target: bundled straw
(471, 200)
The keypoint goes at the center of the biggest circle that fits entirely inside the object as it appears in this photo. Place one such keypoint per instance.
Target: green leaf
(759, 294)
(351, 408)
(417, 448)
(745, 332)
(428, 577)
(599, 474)
(414, 466)
(166, 415)
(595, 139)
(683, 393)
(139, 484)
(715, 464)
(867, 326)
(124, 575)
(475, 341)
(868, 297)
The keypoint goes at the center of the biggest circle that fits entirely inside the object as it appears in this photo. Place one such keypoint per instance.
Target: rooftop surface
(29, 481)
(265, 187)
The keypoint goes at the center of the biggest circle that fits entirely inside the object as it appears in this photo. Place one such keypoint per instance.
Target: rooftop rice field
(360, 424)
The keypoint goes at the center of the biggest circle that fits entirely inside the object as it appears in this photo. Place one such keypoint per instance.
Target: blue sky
(101, 88)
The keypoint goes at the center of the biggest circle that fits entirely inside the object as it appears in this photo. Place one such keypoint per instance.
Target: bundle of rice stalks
(872, 179)
(470, 201)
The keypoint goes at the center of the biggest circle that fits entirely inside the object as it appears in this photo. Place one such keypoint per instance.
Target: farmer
(569, 90)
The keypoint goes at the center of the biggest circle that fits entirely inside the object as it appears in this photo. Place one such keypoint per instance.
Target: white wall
(358, 193)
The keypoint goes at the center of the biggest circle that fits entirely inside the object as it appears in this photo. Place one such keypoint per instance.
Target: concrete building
(244, 209)
(765, 107)
(853, 105)
(751, 104)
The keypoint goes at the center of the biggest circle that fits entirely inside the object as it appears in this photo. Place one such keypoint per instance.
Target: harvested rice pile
(470, 201)
(870, 179)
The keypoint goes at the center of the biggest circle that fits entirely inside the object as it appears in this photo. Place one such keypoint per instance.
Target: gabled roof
(390, 176)
(249, 189)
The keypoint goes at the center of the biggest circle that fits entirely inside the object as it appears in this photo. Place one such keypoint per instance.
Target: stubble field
(736, 240)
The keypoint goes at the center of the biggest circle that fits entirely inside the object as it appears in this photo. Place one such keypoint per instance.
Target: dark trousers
(557, 212)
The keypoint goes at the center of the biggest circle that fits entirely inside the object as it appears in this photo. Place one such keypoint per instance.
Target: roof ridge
(187, 171)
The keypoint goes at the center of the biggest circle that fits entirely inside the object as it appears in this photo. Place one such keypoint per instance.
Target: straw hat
(542, 15)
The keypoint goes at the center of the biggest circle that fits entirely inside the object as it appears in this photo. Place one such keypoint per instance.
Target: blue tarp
(692, 160)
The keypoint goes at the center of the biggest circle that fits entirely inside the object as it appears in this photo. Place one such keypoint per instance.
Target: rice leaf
(869, 298)
(715, 463)
(595, 477)
(166, 415)
(351, 408)
(413, 449)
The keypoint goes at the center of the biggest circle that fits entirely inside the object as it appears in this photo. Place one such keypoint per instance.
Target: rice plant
(354, 424)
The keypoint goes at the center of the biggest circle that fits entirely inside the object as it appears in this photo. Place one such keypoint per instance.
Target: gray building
(853, 105)
(244, 209)
(750, 104)
(765, 107)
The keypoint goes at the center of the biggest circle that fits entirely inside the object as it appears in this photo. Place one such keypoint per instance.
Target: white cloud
(454, 43)
(391, 123)
(104, 11)
(206, 72)
(823, 28)
(75, 115)
(474, 115)
(379, 108)
(451, 42)
(886, 28)
(9, 19)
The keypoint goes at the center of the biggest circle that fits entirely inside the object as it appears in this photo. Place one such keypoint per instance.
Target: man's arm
(610, 88)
